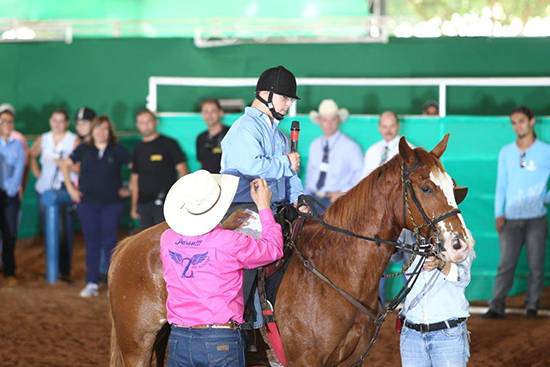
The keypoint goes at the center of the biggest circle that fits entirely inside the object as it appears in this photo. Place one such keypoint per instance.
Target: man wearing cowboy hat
(335, 160)
(203, 266)
(255, 147)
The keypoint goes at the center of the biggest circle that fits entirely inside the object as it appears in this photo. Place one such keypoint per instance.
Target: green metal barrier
(471, 158)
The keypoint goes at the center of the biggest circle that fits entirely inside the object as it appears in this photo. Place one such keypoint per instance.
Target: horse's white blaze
(445, 183)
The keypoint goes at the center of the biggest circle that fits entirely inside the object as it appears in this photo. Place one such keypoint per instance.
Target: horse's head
(431, 200)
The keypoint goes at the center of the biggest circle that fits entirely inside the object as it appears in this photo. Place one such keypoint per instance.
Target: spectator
(52, 147)
(334, 164)
(430, 108)
(335, 160)
(378, 154)
(157, 163)
(12, 165)
(208, 144)
(523, 171)
(99, 204)
(204, 302)
(385, 149)
(23, 140)
(435, 315)
(83, 123)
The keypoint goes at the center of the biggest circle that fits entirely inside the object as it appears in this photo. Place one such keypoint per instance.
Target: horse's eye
(426, 189)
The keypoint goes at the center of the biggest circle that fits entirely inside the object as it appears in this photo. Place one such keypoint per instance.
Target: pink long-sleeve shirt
(204, 274)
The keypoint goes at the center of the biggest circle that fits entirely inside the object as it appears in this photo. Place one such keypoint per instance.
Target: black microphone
(294, 134)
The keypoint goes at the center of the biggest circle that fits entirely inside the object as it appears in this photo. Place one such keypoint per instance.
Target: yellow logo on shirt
(155, 157)
(217, 150)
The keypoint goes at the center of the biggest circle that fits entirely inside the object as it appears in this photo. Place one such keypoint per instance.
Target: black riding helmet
(276, 80)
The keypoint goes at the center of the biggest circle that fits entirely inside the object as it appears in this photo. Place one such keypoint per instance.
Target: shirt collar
(392, 143)
(4, 142)
(256, 113)
(332, 139)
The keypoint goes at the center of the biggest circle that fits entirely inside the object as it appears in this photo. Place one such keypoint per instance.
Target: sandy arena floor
(44, 325)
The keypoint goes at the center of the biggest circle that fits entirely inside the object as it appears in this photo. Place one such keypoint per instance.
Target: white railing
(441, 83)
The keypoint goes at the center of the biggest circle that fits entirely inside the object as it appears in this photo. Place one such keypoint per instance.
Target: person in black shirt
(99, 203)
(157, 163)
(208, 144)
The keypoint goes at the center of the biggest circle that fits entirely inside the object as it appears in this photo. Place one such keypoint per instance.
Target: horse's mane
(372, 190)
(375, 189)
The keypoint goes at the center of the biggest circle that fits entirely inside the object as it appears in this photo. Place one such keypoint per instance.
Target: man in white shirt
(334, 165)
(378, 154)
(384, 150)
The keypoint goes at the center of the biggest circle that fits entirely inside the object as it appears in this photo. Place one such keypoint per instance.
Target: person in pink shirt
(203, 267)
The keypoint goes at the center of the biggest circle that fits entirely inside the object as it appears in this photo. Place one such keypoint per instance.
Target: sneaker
(91, 290)
(492, 315)
(531, 314)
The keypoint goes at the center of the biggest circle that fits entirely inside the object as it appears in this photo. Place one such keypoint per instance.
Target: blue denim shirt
(256, 148)
(12, 165)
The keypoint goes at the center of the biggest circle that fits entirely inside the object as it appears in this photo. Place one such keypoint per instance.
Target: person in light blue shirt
(255, 147)
(520, 199)
(12, 166)
(435, 314)
(335, 161)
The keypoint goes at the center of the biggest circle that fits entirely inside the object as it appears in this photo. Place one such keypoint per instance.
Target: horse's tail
(161, 341)
(116, 355)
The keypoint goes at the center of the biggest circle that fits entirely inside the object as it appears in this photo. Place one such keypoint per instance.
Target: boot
(256, 355)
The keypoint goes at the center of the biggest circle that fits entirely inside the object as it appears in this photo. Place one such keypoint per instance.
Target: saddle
(291, 223)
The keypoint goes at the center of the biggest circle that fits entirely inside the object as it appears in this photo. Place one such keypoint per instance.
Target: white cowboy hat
(197, 202)
(328, 107)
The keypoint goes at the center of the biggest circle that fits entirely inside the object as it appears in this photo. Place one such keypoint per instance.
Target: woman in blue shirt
(99, 203)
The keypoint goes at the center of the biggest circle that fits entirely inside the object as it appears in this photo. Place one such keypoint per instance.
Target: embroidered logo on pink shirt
(182, 242)
(189, 262)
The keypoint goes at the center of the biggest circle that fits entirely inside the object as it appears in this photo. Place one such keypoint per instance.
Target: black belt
(425, 328)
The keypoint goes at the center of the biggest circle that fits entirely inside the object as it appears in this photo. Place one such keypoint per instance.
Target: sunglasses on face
(522, 162)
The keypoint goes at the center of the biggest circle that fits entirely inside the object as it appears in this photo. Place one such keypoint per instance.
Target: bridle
(422, 247)
(408, 191)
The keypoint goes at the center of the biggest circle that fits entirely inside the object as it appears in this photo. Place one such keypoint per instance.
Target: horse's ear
(405, 151)
(441, 146)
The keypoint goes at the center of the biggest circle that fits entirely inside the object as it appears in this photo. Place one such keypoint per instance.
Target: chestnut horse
(318, 327)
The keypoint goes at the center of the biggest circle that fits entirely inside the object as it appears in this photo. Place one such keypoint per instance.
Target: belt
(228, 325)
(425, 328)
(321, 194)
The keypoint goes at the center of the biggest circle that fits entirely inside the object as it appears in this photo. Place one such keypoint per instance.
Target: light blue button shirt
(521, 189)
(345, 164)
(12, 165)
(436, 297)
(254, 147)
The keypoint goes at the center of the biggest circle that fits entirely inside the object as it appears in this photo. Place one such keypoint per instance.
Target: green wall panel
(471, 158)
(111, 75)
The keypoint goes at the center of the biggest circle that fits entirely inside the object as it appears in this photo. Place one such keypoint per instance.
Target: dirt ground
(44, 325)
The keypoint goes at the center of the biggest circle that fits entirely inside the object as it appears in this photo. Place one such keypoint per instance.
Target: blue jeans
(9, 212)
(100, 228)
(447, 347)
(205, 348)
(56, 208)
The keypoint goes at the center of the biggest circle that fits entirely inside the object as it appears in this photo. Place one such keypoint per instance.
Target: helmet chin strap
(269, 104)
